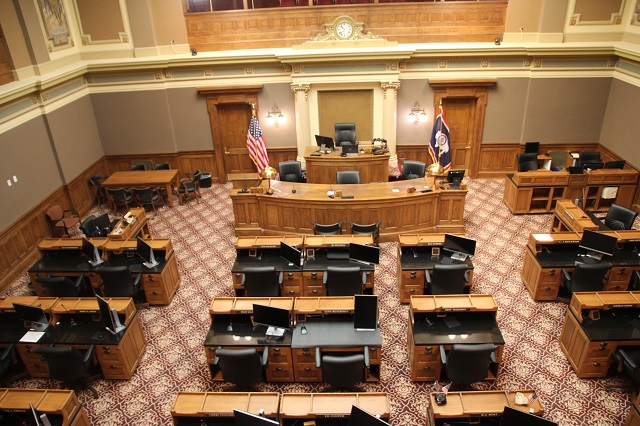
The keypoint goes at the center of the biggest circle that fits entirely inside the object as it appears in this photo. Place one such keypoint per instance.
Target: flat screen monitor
(588, 157)
(593, 165)
(455, 178)
(34, 315)
(327, 141)
(277, 319)
(360, 417)
(109, 317)
(461, 247)
(290, 254)
(598, 244)
(365, 312)
(243, 418)
(511, 417)
(145, 251)
(617, 164)
(34, 413)
(91, 252)
(362, 253)
(532, 147)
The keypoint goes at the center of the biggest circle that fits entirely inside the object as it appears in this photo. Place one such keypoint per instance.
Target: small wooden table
(143, 179)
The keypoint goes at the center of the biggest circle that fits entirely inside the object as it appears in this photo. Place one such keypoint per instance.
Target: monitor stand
(459, 256)
(274, 332)
(594, 255)
(36, 326)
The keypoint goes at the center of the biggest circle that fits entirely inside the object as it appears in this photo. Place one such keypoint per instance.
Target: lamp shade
(268, 173)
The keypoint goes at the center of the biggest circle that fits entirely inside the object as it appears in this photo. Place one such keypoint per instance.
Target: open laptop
(349, 149)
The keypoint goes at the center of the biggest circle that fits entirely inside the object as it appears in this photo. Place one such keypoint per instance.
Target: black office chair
(88, 227)
(104, 225)
(262, 281)
(69, 365)
(586, 277)
(119, 197)
(527, 162)
(413, 169)
(190, 186)
(162, 166)
(587, 157)
(372, 229)
(242, 367)
(344, 280)
(333, 229)
(137, 167)
(116, 281)
(348, 177)
(7, 362)
(626, 359)
(147, 196)
(447, 279)
(343, 371)
(465, 364)
(101, 191)
(619, 217)
(345, 133)
(291, 171)
(62, 286)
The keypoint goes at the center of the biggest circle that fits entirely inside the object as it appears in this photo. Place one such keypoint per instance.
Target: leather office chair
(586, 277)
(560, 160)
(63, 286)
(465, 364)
(372, 229)
(62, 220)
(291, 171)
(345, 133)
(101, 192)
(348, 177)
(137, 167)
(333, 229)
(116, 281)
(162, 166)
(626, 359)
(344, 280)
(527, 162)
(619, 218)
(343, 371)
(7, 362)
(242, 367)
(262, 281)
(119, 197)
(69, 365)
(147, 196)
(190, 186)
(104, 224)
(447, 279)
(413, 169)
(88, 226)
(587, 157)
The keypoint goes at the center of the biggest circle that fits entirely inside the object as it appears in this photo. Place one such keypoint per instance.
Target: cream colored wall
(101, 21)
(505, 113)
(168, 21)
(619, 125)
(409, 92)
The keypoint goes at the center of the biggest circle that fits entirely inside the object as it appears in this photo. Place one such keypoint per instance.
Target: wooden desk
(569, 217)
(124, 231)
(60, 406)
(297, 407)
(633, 418)
(323, 168)
(142, 179)
(217, 407)
(471, 406)
(439, 210)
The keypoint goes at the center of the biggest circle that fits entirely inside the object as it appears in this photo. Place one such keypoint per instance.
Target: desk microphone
(230, 327)
(73, 321)
(293, 187)
(303, 330)
(244, 189)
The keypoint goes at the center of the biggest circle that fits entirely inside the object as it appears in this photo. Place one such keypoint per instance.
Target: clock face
(344, 29)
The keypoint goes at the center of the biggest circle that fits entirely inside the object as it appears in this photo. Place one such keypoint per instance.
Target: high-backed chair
(62, 220)
(101, 192)
(465, 364)
(587, 157)
(345, 133)
(62, 286)
(586, 277)
(190, 186)
(146, 197)
(333, 229)
(262, 281)
(104, 224)
(619, 217)
(343, 371)
(137, 167)
(242, 367)
(162, 166)
(447, 279)
(372, 229)
(413, 169)
(527, 162)
(69, 365)
(626, 359)
(344, 280)
(560, 160)
(119, 197)
(88, 227)
(291, 171)
(348, 177)
(116, 281)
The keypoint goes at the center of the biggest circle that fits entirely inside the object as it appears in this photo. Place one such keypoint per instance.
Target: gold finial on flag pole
(253, 109)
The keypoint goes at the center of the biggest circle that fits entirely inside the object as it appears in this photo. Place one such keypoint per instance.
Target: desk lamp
(269, 173)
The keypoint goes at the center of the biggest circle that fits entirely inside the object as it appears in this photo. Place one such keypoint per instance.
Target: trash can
(205, 180)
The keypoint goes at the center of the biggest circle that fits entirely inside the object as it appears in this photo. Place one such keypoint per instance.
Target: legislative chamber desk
(139, 226)
(76, 322)
(216, 408)
(477, 407)
(547, 254)
(329, 322)
(61, 407)
(447, 320)
(569, 217)
(417, 254)
(429, 209)
(144, 178)
(322, 167)
(330, 408)
(537, 191)
(633, 418)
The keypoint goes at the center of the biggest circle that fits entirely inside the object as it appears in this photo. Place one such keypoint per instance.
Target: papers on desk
(543, 237)
(395, 190)
(32, 336)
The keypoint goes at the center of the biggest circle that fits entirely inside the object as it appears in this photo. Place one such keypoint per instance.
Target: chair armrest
(324, 277)
(597, 221)
(6, 353)
(367, 362)
(364, 278)
(242, 280)
(265, 355)
(318, 358)
(466, 276)
(281, 278)
(427, 276)
(79, 281)
(216, 359)
(443, 354)
(567, 277)
(635, 281)
(136, 280)
(493, 357)
(88, 354)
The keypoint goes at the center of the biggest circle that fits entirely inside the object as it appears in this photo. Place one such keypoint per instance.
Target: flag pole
(436, 168)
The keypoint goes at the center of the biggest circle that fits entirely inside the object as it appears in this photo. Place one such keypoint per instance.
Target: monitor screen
(34, 413)
(243, 418)
(105, 314)
(364, 253)
(455, 174)
(459, 244)
(32, 314)
(589, 157)
(324, 140)
(365, 312)
(145, 251)
(359, 417)
(512, 416)
(91, 252)
(290, 254)
(599, 243)
(592, 165)
(618, 164)
(349, 149)
(532, 147)
(271, 316)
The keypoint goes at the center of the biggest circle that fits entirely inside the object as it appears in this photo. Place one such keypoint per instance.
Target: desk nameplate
(319, 305)
(460, 303)
(244, 305)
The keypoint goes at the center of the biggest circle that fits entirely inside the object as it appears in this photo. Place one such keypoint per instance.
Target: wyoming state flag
(439, 143)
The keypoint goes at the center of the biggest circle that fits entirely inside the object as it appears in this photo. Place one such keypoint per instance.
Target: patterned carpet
(202, 235)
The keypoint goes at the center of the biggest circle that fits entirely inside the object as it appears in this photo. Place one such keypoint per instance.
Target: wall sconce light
(417, 114)
(275, 116)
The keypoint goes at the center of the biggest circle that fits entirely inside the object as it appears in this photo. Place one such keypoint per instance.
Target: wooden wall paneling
(608, 155)
(497, 159)
(413, 152)
(120, 163)
(81, 193)
(279, 155)
(205, 161)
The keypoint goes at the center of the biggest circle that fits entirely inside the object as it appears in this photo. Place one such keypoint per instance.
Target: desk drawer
(413, 277)
(156, 295)
(292, 278)
(115, 371)
(546, 292)
(304, 356)
(210, 352)
(279, 373)
(426, 354)
(599, 351)
(592, 368)
(280, 355)
(315, 290)
(375, 355)
(406, 291)
(551, 276)
(369, 279)
(308, 373)
(291, 290)
(425, 372)
(237, 279)
(27, 353)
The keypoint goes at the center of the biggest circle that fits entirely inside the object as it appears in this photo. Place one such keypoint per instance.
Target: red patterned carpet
(202, 235)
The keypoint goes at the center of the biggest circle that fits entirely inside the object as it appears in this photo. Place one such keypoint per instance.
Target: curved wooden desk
(323, 168)
(284, 212)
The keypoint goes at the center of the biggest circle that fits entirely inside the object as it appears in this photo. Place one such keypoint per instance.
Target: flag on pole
(439, 147)
(255, 143)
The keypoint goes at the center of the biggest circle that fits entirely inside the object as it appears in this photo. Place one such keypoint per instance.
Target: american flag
(532, 398)
(255, 144)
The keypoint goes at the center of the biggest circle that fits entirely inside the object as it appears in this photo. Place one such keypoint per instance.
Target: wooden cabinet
(411, 283)
(60, 406)
(425, 361)
(159, 289)
(304, 365)
(280, 365)
(589, 359)
(120, 361)
(633, 418)
(313, 286)
(542, 284)
(33, 362)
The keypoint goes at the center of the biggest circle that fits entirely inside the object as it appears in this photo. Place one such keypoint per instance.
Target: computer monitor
(455, 178)
(277, 319)
(598, 244)
(327, 141)
(290, 254)
(588, 157)
(360, 417)
(512, 416)
(593, 165)
(366, 254)
(145, 251)
(461, 247)
(33, 315)
(365, 312)
(109, 317)
(242, 418)
(91, 252)
(349, 149)
(617, 164)
(532, 147)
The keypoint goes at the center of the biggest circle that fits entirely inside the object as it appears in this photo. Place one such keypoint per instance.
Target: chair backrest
(88, 226)
(588, 157)
(242, 367)
(348, 177)
(162, 166)
(344, 280)
(6, 361)
(372, 229)
(119, 195)
(60, 286)
(527, 162)
(117, 281)
(588, 276)
(620, 218)
(103, 223)
(290, 171)
(55, 212)
(96, 180)
(65, 362)
(343, 371)
(559, 159)
(333, 229)
(468, 364)
(345, 133)
(137, 167)
(145, 195)
(448, 279)
(261, 281)
(413, 169)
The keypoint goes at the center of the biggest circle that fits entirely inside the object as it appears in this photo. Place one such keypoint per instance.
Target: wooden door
(459, 115)
(233, 122)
